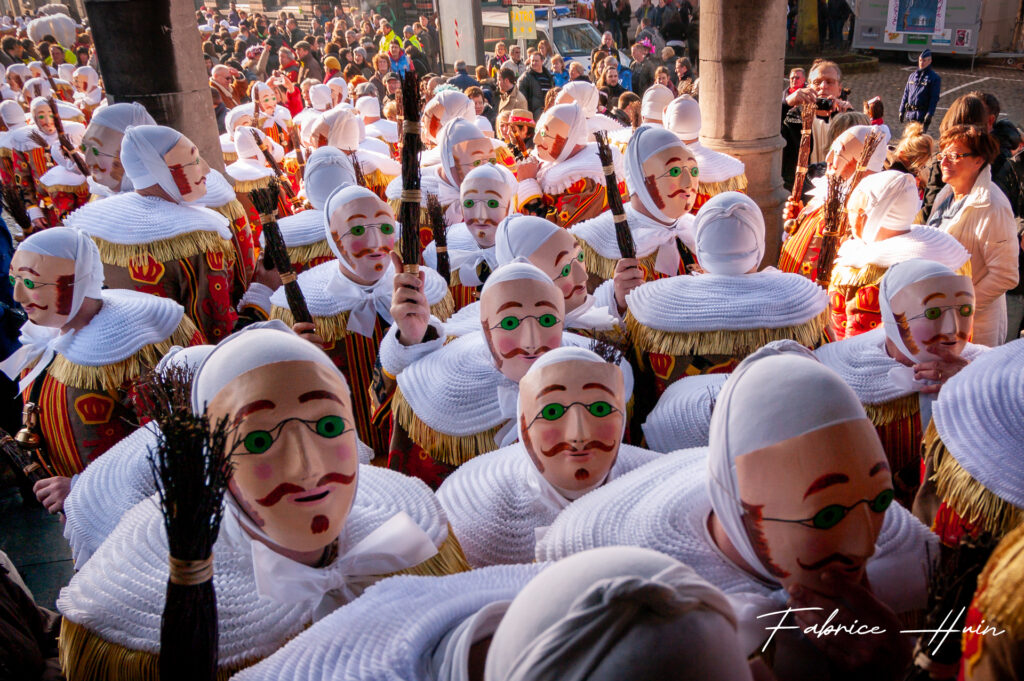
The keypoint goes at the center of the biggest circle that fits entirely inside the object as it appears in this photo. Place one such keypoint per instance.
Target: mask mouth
(315, 496)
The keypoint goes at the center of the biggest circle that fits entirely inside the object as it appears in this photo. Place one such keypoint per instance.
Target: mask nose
(575, 431)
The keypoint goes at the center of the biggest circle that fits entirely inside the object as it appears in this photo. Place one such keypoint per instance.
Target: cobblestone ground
(1007, 84)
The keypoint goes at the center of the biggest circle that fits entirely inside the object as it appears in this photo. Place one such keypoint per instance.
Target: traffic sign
(523, 23)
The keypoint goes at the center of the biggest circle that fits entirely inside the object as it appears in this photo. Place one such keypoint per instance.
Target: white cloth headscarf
(754, 411)
(454, 104)
(590, 615)
(890, 201)
(320, 97)
(234, 115)
(377, 300)
(646, 141)
(860, 132)
(730, 234)
(518, 236)
(368, 106)
(897, 278)
(12, 114)
(327, 169)
(655, 99)
(454, 132)
(339, 84)
(142, 155)
(682, 116)
(246, 147)
(91, 77)
(41, 343)
(583, 93)
(67, 72)
(485, 126)
(122, 116)
(574, 116)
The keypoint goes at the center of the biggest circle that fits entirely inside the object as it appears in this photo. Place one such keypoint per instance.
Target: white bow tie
(39, 344)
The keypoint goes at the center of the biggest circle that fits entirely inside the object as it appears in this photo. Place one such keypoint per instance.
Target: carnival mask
(471, 154)
(44, 286)
(294, 451)
(485, 203)
(364, 232)
(268, 100)
(843, 155)
(81, 83)
(188, 169)
(43, 117)
(934, 312)
(670, 177)
(433, 121)
(561, 258)
(816, 502)
(552, 136)
(243, 120)
(571, 420)
(522, 319)
(102, 150)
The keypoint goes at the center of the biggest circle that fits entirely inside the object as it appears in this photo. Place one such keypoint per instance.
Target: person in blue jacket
(921, 94)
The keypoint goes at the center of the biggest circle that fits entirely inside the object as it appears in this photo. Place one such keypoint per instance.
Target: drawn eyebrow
(879, 467)
(491, 191)
(964, 293)
(673, 159)
(356, 215)
(598, 386)
(381, 213)
(550, 389)
(937, 294)
(559, 256)
(824, 481)
(509, 304)
(319, 395)
(29, 270)
(547, 303)
(253, 407)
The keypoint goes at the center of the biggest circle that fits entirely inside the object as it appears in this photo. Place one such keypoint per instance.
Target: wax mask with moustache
(561, 258)
(102, 147)
(552, 136)
(469, 155)
(442, 108)
(43, 286)
(671, 179)
(572, 415)
(294, 453)
(816, 502)
(932, 313)
(522, 319)
(485, 202)
(268, 100)
(42, 115)
(188, 169)
(363, 232)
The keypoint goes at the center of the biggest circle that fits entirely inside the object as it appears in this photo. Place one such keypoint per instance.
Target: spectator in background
(409, 38)
(515, 61)
(597, 58)
(662, 77)
(535, 83)
(625, 13)
(398, 60)
(683, 73)
(360, 61)
(511, 98)
(381, 66)
(668, 59)
(913, 151)
(874, 110)
(921, 93)
(544, 47)
(480, 105)
(295, 34)
(649, 12)
(627, 109)
(1011, 180)
(310, 65)
(558, 71)
(496, 62)
(219, 110)
(608, 43)
(417, 59)
(387, 36)
(642, 68)
(965, 110)
(975, 211)
(332, 68)
(576, 71)
(609, 82)
(797, 80)
(462, 79)
(551, 96)
(607, 18)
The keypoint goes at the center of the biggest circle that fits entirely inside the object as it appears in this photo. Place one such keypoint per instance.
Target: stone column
(150, 52)
(742, 55)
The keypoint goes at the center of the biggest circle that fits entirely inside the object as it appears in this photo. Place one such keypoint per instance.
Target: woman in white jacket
(975, 211)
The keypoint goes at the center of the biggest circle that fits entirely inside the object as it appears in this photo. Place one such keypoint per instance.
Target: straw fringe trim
(733, 184)
(111, 377)
(724, 342)
(66, 188)
(335, 327)
(453, 450)
(85, 656)
(232, 210)
(604, 267)
(448, 560)
(894, 410)
(871, 275)
(377, 179)
(164, 250)
(1002, 600)
(971, 500)
(310, 252)
(246, 186)
(229, 157)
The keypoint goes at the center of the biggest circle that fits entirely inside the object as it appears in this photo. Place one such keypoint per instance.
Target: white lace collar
(920, 242)
(130, 218)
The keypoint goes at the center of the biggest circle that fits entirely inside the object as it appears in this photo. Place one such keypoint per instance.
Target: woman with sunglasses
(971, 208)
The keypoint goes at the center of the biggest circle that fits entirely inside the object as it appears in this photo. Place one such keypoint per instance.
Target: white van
(574, 38)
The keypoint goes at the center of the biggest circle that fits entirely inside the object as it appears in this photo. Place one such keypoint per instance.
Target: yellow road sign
(523, 23)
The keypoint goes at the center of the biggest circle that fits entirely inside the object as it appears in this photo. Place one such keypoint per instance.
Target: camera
(823, 107)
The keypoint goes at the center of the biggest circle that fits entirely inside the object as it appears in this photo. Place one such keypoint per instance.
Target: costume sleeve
(997, 237)
(395, 357)
(207, 295)
(294, 102)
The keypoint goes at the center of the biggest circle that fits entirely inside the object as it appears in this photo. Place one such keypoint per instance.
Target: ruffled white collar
(303, 228)
(248, 170)
(649, 235)
(920, 242)
(714, 165)
(555, 178)
(129, 218)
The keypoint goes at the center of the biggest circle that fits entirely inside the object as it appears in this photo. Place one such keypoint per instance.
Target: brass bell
(27, 437)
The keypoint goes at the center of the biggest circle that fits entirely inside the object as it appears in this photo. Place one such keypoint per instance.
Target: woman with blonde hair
(913, 151)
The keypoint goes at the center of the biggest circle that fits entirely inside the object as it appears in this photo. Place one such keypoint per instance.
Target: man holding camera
(921, 94)
(824, 89)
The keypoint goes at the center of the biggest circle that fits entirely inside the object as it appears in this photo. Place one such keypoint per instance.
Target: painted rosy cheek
(506, 345)
(263, 471)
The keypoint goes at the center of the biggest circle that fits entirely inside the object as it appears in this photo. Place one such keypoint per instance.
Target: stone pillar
(742, 55)
(150, 52)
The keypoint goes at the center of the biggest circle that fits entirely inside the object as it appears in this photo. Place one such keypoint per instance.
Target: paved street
(957, 79)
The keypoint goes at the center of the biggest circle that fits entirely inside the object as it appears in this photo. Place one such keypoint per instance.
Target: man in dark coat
(921, 94)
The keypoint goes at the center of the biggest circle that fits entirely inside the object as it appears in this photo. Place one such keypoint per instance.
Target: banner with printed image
(916, 16)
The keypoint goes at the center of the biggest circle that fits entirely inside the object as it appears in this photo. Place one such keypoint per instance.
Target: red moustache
(286, 488)
(519, 351)
(566, 447)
